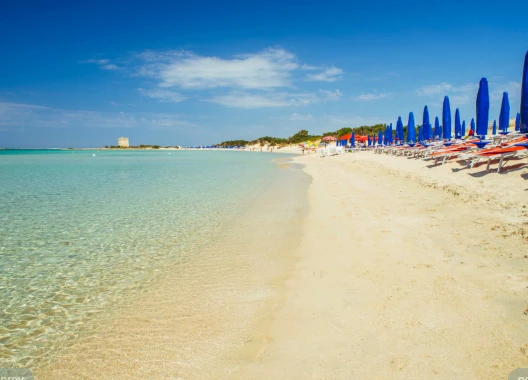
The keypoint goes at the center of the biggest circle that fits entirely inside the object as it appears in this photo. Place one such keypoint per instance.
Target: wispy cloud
(298, 117)
(466, 93)
(330, 74)
(274, 99)
(163, 95)
(351, 121)
(16, 115)
(104, 64)
(372, 96)
(461, 94)
(307, 67)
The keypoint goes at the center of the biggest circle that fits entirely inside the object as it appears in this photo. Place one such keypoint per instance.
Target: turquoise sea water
(81, 233)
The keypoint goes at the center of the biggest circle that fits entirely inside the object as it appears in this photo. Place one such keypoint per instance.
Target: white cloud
(370, 97)
(274, 99)
(268, 69)
(163, 95)
(330, 74)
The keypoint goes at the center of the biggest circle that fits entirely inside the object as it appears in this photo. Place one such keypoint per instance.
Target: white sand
(406, 272)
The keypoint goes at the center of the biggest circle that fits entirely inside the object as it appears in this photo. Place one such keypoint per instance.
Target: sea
(84, 232)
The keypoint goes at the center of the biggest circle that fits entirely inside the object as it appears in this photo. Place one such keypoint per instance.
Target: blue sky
(81, 73)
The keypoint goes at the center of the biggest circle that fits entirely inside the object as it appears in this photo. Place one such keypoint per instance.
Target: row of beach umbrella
(427, 132)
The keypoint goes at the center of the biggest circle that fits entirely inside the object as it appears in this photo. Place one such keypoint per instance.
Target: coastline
(392, 268)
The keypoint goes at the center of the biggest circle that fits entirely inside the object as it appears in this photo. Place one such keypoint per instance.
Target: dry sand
(405, 272)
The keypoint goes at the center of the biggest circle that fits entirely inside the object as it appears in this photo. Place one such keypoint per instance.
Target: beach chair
(501, 154)
(484, 154)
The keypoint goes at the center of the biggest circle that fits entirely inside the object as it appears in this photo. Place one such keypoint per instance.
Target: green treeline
(303, 135)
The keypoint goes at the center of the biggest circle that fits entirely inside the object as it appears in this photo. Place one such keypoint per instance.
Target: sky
(81, 73)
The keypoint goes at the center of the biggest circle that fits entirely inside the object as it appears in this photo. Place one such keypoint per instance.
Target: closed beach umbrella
(463, 130)
(517, 121)
(411, 129)
(483, 108)
(368, 140)
(473, 125)
(494, 129)
(391, 135)
(380, 137)
(458, 126)
(504, 116)
(352, 139)
(425, 124)
(431, 132)
(399, 130)
(523, 125)
(437, 130)
(446, 119)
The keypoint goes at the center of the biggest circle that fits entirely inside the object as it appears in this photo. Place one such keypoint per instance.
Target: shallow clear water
(80, 233)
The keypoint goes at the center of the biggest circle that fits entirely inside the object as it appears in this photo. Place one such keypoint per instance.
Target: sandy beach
(393, 268)
(405, 272)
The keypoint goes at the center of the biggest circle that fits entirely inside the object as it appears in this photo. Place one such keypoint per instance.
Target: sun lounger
(501, 154)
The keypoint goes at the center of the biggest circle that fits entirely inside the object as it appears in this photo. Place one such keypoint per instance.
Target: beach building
(123, 142)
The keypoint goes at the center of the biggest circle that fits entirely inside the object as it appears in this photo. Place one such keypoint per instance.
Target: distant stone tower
(122, 142)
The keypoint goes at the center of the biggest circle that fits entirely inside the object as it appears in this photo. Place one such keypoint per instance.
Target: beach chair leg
(500, 164)
(489, 163)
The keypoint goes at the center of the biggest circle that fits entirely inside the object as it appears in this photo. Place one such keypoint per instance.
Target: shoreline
(197, 320)
(399, 269)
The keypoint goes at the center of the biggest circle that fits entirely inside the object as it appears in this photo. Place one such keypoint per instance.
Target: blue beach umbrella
(458, 127)
(463, 130)
(437, 130)
(399, 130)
(494, 130)
(411, 129)
(517, 121)
(483, 108)
(380, 137)
(368, 140)
(504, 116)
(523, 125)
(473, 126)
(446, 119)
(431, 132)
(425, 124)
(352, 139)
